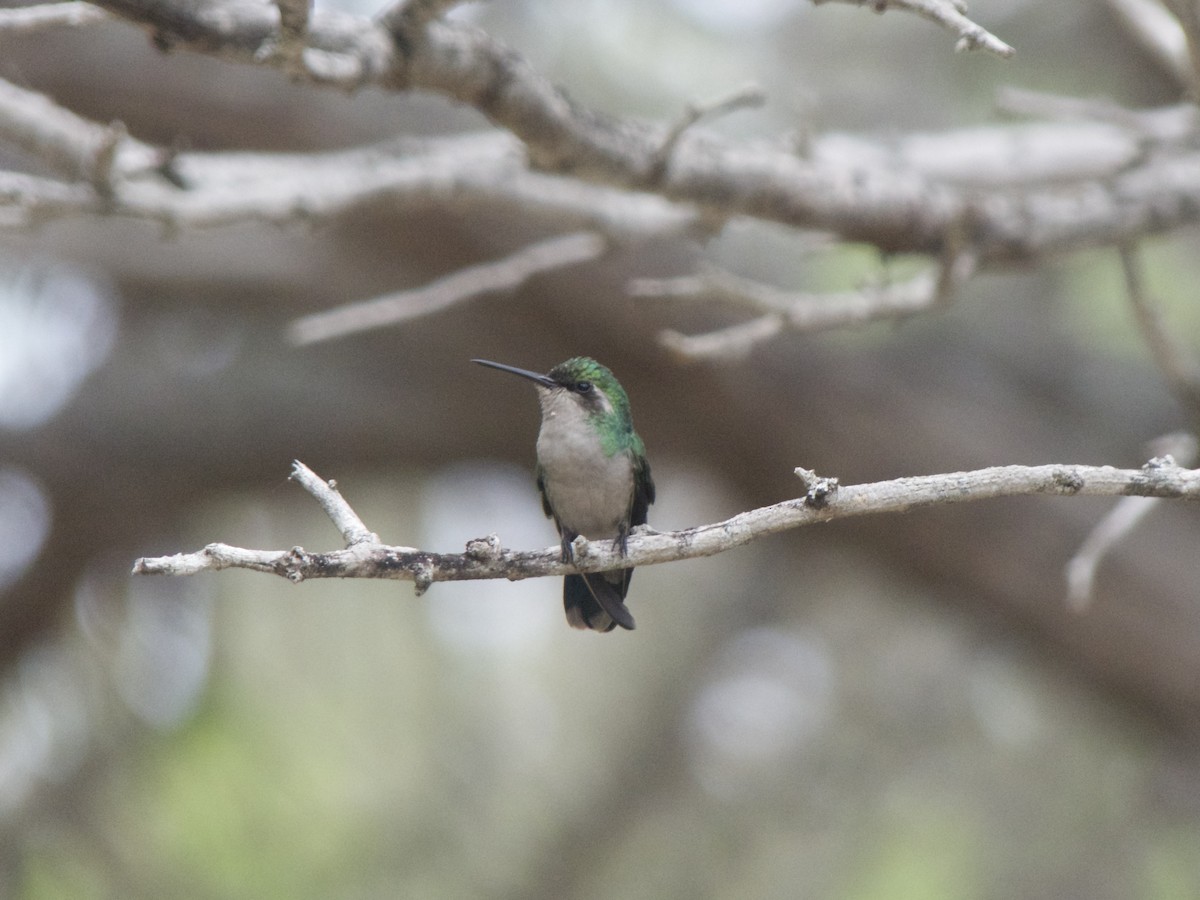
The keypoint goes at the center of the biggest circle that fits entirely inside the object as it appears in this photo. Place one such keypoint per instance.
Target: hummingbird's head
(581, 382)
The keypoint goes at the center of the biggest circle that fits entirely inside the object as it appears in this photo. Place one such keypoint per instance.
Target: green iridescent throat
(615, 428)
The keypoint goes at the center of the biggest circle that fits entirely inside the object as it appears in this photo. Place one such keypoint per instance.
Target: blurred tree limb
(49, 15)
(500, 275)
(1159, 31)
(1123, 518)
(798, 311)
(1096, 176)
(1016, 191)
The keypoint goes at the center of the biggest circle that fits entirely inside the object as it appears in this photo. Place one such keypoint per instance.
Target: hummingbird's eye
(584, 387)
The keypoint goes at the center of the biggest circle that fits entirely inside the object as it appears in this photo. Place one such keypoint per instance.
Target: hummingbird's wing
(541, 486)
(643, 492)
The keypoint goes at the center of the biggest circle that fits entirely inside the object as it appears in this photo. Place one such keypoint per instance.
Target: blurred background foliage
(892, 709)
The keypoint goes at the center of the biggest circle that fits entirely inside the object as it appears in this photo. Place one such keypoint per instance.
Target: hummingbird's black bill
(543, 380)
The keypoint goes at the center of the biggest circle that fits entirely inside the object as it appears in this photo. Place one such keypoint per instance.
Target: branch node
(747, 96)
(162, 40)
(167, 167)
(485, 548)
(335, 506)
(1068, 481)
(1166, 461)
(422, 571)
(294, 564)
(819, 491)
(105, 158)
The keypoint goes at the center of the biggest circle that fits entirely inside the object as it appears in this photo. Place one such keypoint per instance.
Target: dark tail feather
(595, 602)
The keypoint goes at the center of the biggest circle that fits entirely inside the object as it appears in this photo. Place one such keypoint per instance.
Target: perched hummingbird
(593, 476)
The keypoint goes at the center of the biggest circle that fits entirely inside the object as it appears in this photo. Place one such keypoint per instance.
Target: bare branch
(732, 342)
(1160, 33)
(1058, 107)
(1121, 520)
(899, 197)
(896, 204)
(465, 64)
(824, 501)
(950, 14)
(208, 190)
(1081, 569)
(410, 16)
(750, 95)
(502, 275)
(335, 506)
(73, 146)
(293, 35)
(1175, 359)
(26, 19)
(1166, 129)
(28, 199)
(343, 50)
(799, 311)
(293, 21)
(222, 189)
(1188, 16)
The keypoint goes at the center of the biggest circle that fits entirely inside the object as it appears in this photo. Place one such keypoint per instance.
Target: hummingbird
(593, 477)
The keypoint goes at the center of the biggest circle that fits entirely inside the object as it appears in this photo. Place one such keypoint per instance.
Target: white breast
(589, 491)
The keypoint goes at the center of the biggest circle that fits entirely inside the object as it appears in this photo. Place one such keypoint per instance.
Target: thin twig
(1174, 358)
(501, 275)
(750, 95)
(326, 493)
(1179, 448)
(824, 501)
(947, 13)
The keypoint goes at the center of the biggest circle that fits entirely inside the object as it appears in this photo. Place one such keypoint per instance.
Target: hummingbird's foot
(568, 548)
(620, 542)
